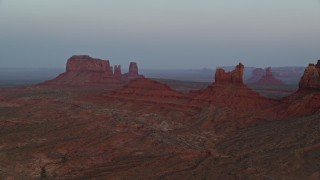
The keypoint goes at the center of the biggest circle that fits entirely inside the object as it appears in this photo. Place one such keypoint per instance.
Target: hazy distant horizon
(160, 34)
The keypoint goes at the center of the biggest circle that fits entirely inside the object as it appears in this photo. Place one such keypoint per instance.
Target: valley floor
(67, 133)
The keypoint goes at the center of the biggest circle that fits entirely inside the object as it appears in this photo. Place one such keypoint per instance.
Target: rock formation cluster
(230, 91)
(235, 76)
(311, 77)
(83, 70)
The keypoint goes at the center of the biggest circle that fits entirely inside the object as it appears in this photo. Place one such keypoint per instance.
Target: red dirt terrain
(144, 129)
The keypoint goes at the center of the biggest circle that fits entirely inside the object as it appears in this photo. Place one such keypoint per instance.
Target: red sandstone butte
(133, 71)
(268, 79)
(307, 99)
(228, 90)
(85, 70)
(311, 78)
(80, 63)
(234, 77)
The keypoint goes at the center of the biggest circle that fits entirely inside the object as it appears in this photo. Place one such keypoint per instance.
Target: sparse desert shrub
(43, 174)
(64, 158)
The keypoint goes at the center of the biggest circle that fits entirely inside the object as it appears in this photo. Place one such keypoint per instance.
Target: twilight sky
(160, 33)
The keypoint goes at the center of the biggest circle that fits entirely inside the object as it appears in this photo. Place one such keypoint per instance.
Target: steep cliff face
(234, 77)
(80, 63)
(311, 78)
(268, 79)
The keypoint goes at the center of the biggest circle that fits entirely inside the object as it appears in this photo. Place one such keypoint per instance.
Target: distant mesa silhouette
(256, 75)
(269, 79)
(85, 70)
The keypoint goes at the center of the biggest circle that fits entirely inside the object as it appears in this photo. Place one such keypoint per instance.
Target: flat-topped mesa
(311, 77)
(84, 70)
(78, 63)
(233, 77)
(268, 79)
(133, 71)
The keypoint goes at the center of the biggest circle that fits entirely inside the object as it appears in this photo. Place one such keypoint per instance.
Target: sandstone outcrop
(228, 90)
(268, 79)
(234, 77)
(307, 99)
(311, 77)
(85, 70)
(133, 71)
